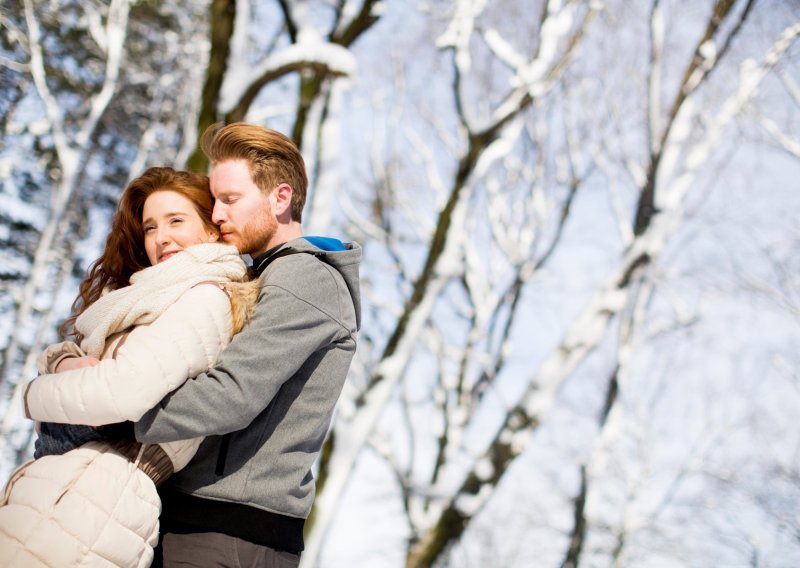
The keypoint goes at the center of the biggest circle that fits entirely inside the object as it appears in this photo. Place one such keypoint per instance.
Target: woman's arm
(154, 360)
(54, 354)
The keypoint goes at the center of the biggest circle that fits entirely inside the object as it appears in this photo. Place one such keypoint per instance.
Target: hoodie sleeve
(154, 360)
(295, 321)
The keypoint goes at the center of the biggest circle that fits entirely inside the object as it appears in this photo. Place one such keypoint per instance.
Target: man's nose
(218, 215)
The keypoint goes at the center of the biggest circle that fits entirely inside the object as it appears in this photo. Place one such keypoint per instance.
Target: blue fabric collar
(326, 243)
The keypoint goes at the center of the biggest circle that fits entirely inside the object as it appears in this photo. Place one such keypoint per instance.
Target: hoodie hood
(344, 257)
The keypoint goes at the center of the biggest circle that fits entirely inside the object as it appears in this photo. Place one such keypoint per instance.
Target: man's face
(241, 210)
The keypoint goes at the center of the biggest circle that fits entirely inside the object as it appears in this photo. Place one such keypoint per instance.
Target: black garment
(187, 514)
(57, 439)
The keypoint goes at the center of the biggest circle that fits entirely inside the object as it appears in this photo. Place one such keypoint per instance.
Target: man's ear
(283, 199)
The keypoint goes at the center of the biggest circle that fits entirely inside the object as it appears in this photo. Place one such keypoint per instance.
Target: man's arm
(283, 333)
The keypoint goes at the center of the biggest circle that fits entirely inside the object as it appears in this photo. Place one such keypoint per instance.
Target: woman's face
(171, 223)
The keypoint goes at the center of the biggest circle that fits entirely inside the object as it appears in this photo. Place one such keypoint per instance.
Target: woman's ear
(213, 236)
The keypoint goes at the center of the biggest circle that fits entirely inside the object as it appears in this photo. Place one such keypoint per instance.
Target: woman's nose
(163, 236)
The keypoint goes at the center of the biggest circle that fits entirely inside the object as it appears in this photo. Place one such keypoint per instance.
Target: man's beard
(254, 237)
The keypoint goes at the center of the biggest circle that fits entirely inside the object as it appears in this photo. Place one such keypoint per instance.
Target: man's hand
(71, 363)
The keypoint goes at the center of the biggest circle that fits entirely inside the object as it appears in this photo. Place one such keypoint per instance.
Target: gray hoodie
(266, 407)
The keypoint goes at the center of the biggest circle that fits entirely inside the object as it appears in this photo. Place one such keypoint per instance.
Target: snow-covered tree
(95, 92)
(580, 300)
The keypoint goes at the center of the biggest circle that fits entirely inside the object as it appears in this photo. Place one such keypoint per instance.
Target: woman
(156, 308)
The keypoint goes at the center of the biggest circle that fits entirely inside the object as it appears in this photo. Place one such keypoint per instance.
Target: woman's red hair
(124, 252)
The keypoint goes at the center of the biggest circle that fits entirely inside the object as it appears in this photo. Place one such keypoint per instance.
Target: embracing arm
(283, 333)
(57, 353)
(154, 360)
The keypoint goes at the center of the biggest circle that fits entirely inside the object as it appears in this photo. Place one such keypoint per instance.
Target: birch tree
(79, 108)
(676, 154)
(71, 156)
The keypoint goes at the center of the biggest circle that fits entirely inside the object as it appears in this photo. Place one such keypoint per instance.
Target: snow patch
(503, 49)
(484, 469)
(469, 505)
(6, 167)
(39, 127)
(460, 30)
(708, 50)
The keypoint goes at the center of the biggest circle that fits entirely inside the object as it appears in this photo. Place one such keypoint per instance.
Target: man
(266, 407)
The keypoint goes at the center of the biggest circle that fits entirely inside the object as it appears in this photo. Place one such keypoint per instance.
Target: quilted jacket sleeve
(154, 360)
(54, 354)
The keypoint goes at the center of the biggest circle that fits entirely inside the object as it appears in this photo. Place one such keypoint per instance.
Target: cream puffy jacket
(93, 506)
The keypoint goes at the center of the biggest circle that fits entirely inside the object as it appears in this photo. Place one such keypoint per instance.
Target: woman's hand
(71, 363)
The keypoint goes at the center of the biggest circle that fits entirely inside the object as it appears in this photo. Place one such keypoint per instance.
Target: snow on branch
(353, 20)
(707, 54)
(52, 110)
(536, 77)
(503, 50)
(96, 29)
(459, 32)
(310, 51)
(791, 145)
(115, 31)
(14, 65)
(13, 36)
(750, 76)
(790, 84)
(586, 331)
(588, 328)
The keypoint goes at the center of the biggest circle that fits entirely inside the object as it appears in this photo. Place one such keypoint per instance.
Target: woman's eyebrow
(168, 214)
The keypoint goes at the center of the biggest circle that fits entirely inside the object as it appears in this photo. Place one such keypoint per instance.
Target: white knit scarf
(154, 289)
